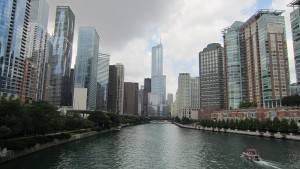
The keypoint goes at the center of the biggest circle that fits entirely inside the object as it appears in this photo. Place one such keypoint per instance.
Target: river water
(162, 146)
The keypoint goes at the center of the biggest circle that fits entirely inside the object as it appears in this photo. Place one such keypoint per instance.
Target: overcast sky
(129, 28)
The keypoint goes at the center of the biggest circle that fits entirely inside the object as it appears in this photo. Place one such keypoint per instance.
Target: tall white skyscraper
(157, 97)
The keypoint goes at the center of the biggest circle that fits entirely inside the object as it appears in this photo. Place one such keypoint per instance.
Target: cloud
(129, 28)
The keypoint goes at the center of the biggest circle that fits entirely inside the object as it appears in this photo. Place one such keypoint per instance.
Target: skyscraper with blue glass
(87, 62)
(14, 19)
(157, 97)
(60, 92)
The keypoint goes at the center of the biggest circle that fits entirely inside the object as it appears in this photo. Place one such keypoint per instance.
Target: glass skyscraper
(87, 62)
(60, 92)
(14, 20)
(102, 81)
(295, 24)
(233, 65)
(157, 97)
(37, 41)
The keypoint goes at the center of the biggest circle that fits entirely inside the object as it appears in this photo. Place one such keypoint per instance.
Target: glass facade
(157, 97)
(14, 19)
(87, 62)
(102, 81)
(232, 45)
(60, 92)
(295, 24)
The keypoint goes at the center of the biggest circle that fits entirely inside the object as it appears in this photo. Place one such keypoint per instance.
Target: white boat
(251, 154)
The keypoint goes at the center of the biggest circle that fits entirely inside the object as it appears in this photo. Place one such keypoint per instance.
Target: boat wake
(268, 164)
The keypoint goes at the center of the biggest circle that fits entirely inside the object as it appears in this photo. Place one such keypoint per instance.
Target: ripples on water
(163, 146)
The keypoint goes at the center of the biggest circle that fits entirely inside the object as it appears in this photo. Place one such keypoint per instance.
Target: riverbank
(277, 135)
(7, 155)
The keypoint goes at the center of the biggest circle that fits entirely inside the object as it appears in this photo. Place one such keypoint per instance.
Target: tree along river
(163, 146)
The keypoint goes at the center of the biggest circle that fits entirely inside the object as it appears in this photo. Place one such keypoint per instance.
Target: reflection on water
(163, 146)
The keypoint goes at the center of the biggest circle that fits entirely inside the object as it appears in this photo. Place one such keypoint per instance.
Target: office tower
(130, 104)
(157, 97)
(116, 88)
(261, 48)
(141, 101)
(234, 70)
(147, 90)
(188, 97)
(170, 98)
(60, 91)
(211, 77)
(87, 62)
(295, 23)
(48, 57)
(14, 20)
(37, 41)
(102, 81)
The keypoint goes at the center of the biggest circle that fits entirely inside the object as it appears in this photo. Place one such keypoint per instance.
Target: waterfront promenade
(277, 135)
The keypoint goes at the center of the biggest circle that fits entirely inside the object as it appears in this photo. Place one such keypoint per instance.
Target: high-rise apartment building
(102, 81)
(141, 101)
(116, 88)
(14, 22)
(29, 81)
(157, 97)
(147, 90)
(211, 71)
(87, 63)
(234, 79)
(37, 44)
(256, 60)
(131, 91)
(295, 24)
(60, 91)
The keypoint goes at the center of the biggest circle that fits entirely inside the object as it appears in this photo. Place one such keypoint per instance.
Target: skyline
(184, 29)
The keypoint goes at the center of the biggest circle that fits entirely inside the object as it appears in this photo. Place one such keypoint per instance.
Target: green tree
(293, 127)
(5, 132)
(100, 119)
(276, 124)
(284, 126)
(115, 118)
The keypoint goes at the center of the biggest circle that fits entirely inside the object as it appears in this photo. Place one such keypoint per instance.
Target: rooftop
(294, 3)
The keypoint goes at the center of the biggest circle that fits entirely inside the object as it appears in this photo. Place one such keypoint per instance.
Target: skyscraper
(102, 81)
(257, 51)
(147, 90)
(116, 88)
(211, 77)
(14, 20)
(170, 98)
(87, 62)
(157, 97)
(60, 92)
(295, 24)
(37, 43)
(234, 68)
(131, 91)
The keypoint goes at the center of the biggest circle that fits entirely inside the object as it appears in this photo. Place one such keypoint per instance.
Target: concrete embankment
(277, 135)
(6, 155)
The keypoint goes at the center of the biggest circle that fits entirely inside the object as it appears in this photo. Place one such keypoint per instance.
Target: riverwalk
(277, 135)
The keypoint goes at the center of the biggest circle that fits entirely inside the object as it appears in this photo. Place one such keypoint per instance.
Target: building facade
(102, 81)
(14, 23)
(234, 79)
(211, 69)
(157, 97)
(116, 88)
(37, 44)
(29, 82)
(147, 90)
(87, 63)
(295, 23)
(131, 94)
(60, 91)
